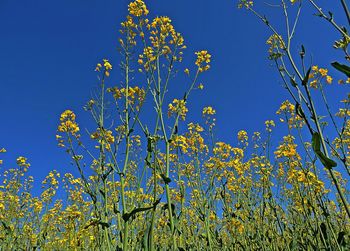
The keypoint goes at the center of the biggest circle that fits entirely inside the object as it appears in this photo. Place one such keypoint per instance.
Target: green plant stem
(127, 146)
(346, 10)
(334, 179)
(167, 157)
(329, 19)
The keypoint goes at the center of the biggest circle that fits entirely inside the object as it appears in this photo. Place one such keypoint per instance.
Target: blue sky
(49, 50)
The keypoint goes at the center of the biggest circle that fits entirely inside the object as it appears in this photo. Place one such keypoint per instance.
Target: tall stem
(127, 146)
(346, 10)
(334, 179)
(167, 159)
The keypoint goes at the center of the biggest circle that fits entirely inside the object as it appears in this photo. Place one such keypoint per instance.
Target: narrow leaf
(342, 68)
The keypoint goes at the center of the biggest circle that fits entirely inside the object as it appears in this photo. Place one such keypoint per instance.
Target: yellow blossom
(245, 3)
(208, 111)
(138, 8)
(323, 72)
(329, 79)
(178, 107)
(68, 123)
(203, 60)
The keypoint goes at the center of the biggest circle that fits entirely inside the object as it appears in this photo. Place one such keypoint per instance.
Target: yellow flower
(269, 124)
(68, 123)
(203, 60)
(68, 126)
(138, 8)
(180, 142)
(287, 149)
(242, 136)
(237, 225)
(212, 215)
(313, 84)
(178, 107)
(323, 72)
(104, 137)
(329, 79)
(107, 64)
(286, 106)
(22, 162)
(275, 42)
(208, 111)
(245, 3)
(107, 67)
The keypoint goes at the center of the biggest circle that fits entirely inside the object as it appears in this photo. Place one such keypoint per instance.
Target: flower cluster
(208, 111)
(106, 65)
(138, 8)
(178, 106)
(104, 137)
(317, 75)
(203, 60)
(276, 44)
(135, 95)
(288, 114)
(67, 125)
(245, 3)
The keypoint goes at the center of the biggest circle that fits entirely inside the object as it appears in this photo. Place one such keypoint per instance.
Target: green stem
(346, 10)
(127, 146)
(334, 179)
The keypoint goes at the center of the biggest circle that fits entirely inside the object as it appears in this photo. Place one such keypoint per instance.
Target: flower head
(138, 8)
(203, 60)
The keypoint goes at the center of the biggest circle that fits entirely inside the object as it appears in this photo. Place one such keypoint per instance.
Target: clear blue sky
(49, 50)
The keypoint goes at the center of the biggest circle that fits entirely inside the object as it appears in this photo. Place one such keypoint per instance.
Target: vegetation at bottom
(164, 183)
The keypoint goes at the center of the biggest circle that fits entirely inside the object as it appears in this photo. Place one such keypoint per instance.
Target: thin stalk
(127, 150)
(336, 128)
(329, 19)
(346, 10)
(323, 143)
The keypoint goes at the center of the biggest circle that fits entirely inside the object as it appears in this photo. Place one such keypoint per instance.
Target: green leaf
(327, 162)
(324, 230)
(127, 216)
(293, 82)
(299, 110)
(102, 192)
(341, 239)
(148, 159)
(150, 148)
(316, 142)
(166, 180)
(104, 224)
(306, 78)
(342, 68)
(316, 146)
